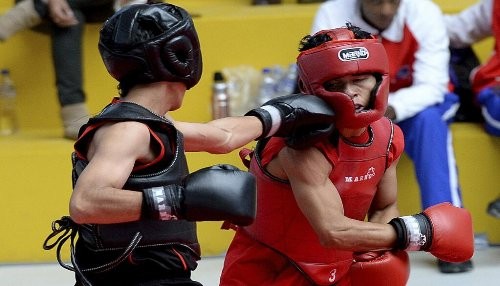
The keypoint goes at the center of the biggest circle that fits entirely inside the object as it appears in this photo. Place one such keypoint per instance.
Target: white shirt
(470, 25)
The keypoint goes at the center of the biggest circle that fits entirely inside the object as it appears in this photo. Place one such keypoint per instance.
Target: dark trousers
(66, 42)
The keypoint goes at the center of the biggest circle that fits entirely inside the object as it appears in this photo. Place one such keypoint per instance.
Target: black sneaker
(494, 208)
(451, 267)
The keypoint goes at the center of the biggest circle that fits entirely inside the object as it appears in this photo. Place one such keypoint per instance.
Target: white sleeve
(470, 25)
(321, 20)
(430, 69)
(328, 16)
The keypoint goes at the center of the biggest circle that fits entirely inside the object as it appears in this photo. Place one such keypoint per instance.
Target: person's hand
(61, 14)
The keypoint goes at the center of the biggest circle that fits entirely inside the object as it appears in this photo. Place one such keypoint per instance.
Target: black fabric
(426, 230)
(166, 265)
(401, 236)
(462, 62)
(265, 118)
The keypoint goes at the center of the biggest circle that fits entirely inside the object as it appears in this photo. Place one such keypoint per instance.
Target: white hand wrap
(275, 116)
(415, 238)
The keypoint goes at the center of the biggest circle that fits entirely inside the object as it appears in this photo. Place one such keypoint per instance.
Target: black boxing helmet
(144, 43)
(342, 55)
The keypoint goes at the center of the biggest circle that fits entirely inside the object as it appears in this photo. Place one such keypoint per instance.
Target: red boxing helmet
(345, 55)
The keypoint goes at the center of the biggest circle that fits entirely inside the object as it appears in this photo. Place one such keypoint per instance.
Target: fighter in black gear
(134, 202)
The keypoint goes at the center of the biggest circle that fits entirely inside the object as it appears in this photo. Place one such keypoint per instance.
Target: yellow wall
(35, 166)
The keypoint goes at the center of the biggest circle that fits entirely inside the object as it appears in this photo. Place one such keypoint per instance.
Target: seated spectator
(419, 101)
(475, 23)
(64, 21)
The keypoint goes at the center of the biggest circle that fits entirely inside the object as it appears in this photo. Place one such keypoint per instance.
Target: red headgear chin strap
(345, 55)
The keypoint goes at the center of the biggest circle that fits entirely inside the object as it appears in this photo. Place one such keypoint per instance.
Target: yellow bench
(35, 168)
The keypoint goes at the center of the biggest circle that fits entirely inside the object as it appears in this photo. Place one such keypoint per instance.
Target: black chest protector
(170, 169)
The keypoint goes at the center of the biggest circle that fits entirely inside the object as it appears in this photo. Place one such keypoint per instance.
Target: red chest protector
(489, 73)
(281, 225)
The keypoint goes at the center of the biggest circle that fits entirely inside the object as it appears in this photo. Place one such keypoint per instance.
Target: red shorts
(249, 262)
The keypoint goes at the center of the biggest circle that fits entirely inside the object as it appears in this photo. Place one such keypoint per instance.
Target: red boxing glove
(453, 234)
(390, 268)
(443, 230)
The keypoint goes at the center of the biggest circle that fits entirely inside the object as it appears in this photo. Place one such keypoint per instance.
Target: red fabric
(402, 60)
(489, 74)
(381, 269)
(250, 263)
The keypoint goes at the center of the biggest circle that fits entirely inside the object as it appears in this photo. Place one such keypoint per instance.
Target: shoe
(452, 267)
(22, 16)
(494, 208)
(73, 117)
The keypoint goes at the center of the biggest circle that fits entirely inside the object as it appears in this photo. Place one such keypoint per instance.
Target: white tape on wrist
(415, 238)
(275, 118)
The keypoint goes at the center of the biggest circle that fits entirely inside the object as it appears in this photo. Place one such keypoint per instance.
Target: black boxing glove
(301, 118)
(217, 193)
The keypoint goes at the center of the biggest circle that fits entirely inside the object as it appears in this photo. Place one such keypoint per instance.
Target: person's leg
(67, 59)
(68, 56)
(24, 15)
(428, 142)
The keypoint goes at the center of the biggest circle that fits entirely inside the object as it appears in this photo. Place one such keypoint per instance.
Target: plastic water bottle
(220, 97)
(8, 117)
(267, 89)
(288, 82)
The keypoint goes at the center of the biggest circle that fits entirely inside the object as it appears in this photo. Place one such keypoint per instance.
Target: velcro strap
(415, 238)
(275, 115)
(156, 203)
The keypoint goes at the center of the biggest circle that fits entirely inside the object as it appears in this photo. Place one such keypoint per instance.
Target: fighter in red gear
(312, 202)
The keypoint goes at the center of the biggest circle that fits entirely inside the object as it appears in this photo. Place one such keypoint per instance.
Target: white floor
(423, 272)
